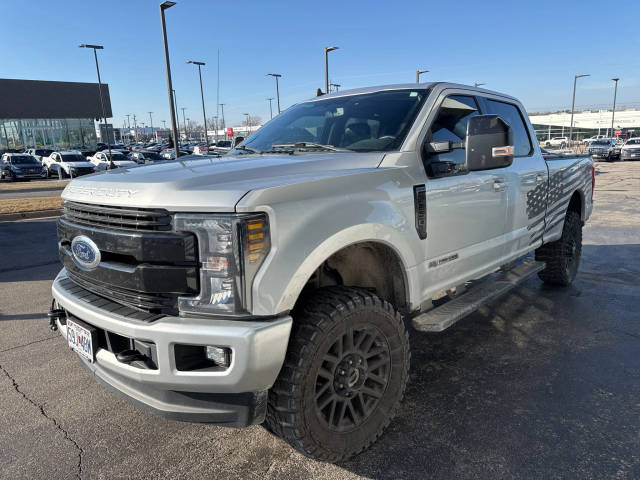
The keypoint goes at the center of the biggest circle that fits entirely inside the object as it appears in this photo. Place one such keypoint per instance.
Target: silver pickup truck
(277, 283)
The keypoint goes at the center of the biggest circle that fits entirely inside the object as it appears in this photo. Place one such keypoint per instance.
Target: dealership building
(58, 115)
(586, 124)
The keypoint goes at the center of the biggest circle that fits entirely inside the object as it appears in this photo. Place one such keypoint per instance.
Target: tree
(254, 120)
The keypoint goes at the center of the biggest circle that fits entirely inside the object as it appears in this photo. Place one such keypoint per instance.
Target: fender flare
(361, 233)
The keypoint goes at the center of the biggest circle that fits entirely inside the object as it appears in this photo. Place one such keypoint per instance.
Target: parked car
(603, 148)
(145, 156)
(561, 142)
(101, 160)
(170, 154)
(20, 166)
(631, 149)
(39, 153)
(67, 164)
(276, 284)
(587, 141)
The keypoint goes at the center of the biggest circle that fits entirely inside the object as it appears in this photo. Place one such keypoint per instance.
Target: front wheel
(344, 375)
(562, 257)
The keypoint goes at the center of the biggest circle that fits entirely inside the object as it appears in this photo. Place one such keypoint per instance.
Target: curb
(10, 217)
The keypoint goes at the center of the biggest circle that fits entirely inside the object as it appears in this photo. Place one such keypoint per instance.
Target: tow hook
(55, 314)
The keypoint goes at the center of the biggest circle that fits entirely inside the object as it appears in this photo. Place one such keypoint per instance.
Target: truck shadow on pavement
(536, 384)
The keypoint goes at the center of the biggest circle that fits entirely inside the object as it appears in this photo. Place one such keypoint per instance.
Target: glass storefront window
(56, 133)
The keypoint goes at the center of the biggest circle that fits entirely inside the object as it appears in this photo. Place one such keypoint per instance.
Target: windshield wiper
(331, 148)
(244, 148)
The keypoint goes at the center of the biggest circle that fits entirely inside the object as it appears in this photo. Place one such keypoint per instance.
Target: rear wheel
(344, 376)
(562, 257)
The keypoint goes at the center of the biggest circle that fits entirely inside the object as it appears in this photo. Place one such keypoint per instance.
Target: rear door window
(511, 114)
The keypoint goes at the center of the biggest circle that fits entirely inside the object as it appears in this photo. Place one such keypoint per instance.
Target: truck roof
(408, 86)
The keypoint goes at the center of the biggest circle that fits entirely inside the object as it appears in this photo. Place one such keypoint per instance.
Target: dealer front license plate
(82, 339)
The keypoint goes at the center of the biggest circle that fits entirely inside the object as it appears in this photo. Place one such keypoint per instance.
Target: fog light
(219, 355)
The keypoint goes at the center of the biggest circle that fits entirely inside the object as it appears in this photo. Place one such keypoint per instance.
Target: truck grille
(122, 218)
(144, 270)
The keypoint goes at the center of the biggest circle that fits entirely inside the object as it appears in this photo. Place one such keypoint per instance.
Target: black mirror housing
(489, 143)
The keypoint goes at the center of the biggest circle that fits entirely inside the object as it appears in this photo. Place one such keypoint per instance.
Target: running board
(442, 317)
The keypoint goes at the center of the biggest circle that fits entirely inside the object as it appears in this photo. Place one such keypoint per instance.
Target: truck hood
(211, 184)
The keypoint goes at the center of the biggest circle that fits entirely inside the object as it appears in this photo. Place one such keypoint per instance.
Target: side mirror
(489, 143)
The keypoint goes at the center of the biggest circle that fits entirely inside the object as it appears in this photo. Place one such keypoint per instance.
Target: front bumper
(233, 397)
(22, 175)
(630, 155)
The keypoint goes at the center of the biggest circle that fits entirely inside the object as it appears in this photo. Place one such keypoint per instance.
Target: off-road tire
(326, 318)
(562, 257)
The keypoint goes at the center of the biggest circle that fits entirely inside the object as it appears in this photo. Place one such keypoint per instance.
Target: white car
(120, 160)
(67, 164)
(631, 149)
(561, 142)
(587, 141)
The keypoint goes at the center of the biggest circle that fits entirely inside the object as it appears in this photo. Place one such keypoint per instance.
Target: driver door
(466, 211)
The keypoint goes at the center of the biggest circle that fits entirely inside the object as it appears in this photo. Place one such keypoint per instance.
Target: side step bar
(441, 318)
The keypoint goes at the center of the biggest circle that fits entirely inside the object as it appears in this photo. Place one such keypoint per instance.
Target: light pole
(270, 107)
(204, 114)
(110, 165)
(129, 126)
(222, 112)
(164, 124)
(174, 128)
(573, 103)
(418, 73)
(135, 127)
(184, 122)
(326, 66)
(613, 113)
(151, 123)
(276, 76)
(477, 84)
(247, 121)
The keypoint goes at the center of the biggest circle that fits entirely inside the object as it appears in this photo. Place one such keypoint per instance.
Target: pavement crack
(67, 437)
(27, 344)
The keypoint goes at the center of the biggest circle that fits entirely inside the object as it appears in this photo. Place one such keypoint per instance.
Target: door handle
(498, 186)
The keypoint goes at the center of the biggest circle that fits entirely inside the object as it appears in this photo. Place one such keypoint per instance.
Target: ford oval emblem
(86, 254)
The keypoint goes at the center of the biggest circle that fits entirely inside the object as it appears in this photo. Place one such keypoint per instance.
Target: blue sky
(527, 49)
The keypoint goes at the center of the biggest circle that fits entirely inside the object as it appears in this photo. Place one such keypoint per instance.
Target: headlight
(232, 248)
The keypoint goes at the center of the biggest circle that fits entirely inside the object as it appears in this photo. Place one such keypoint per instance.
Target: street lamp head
(420, 72)
(583, 75)
(165, 5)
(615, 79)
(273, 75)
(95, 47)
(195, 63)
(330, 49)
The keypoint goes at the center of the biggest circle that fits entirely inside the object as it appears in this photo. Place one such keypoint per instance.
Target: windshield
(151, 156)
(116, 156)
(362, 123)
(72, 157)
(633, 142)
(602, 142)
(22, 160)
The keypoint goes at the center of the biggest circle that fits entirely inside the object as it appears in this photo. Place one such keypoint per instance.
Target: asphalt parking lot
(544, 383)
